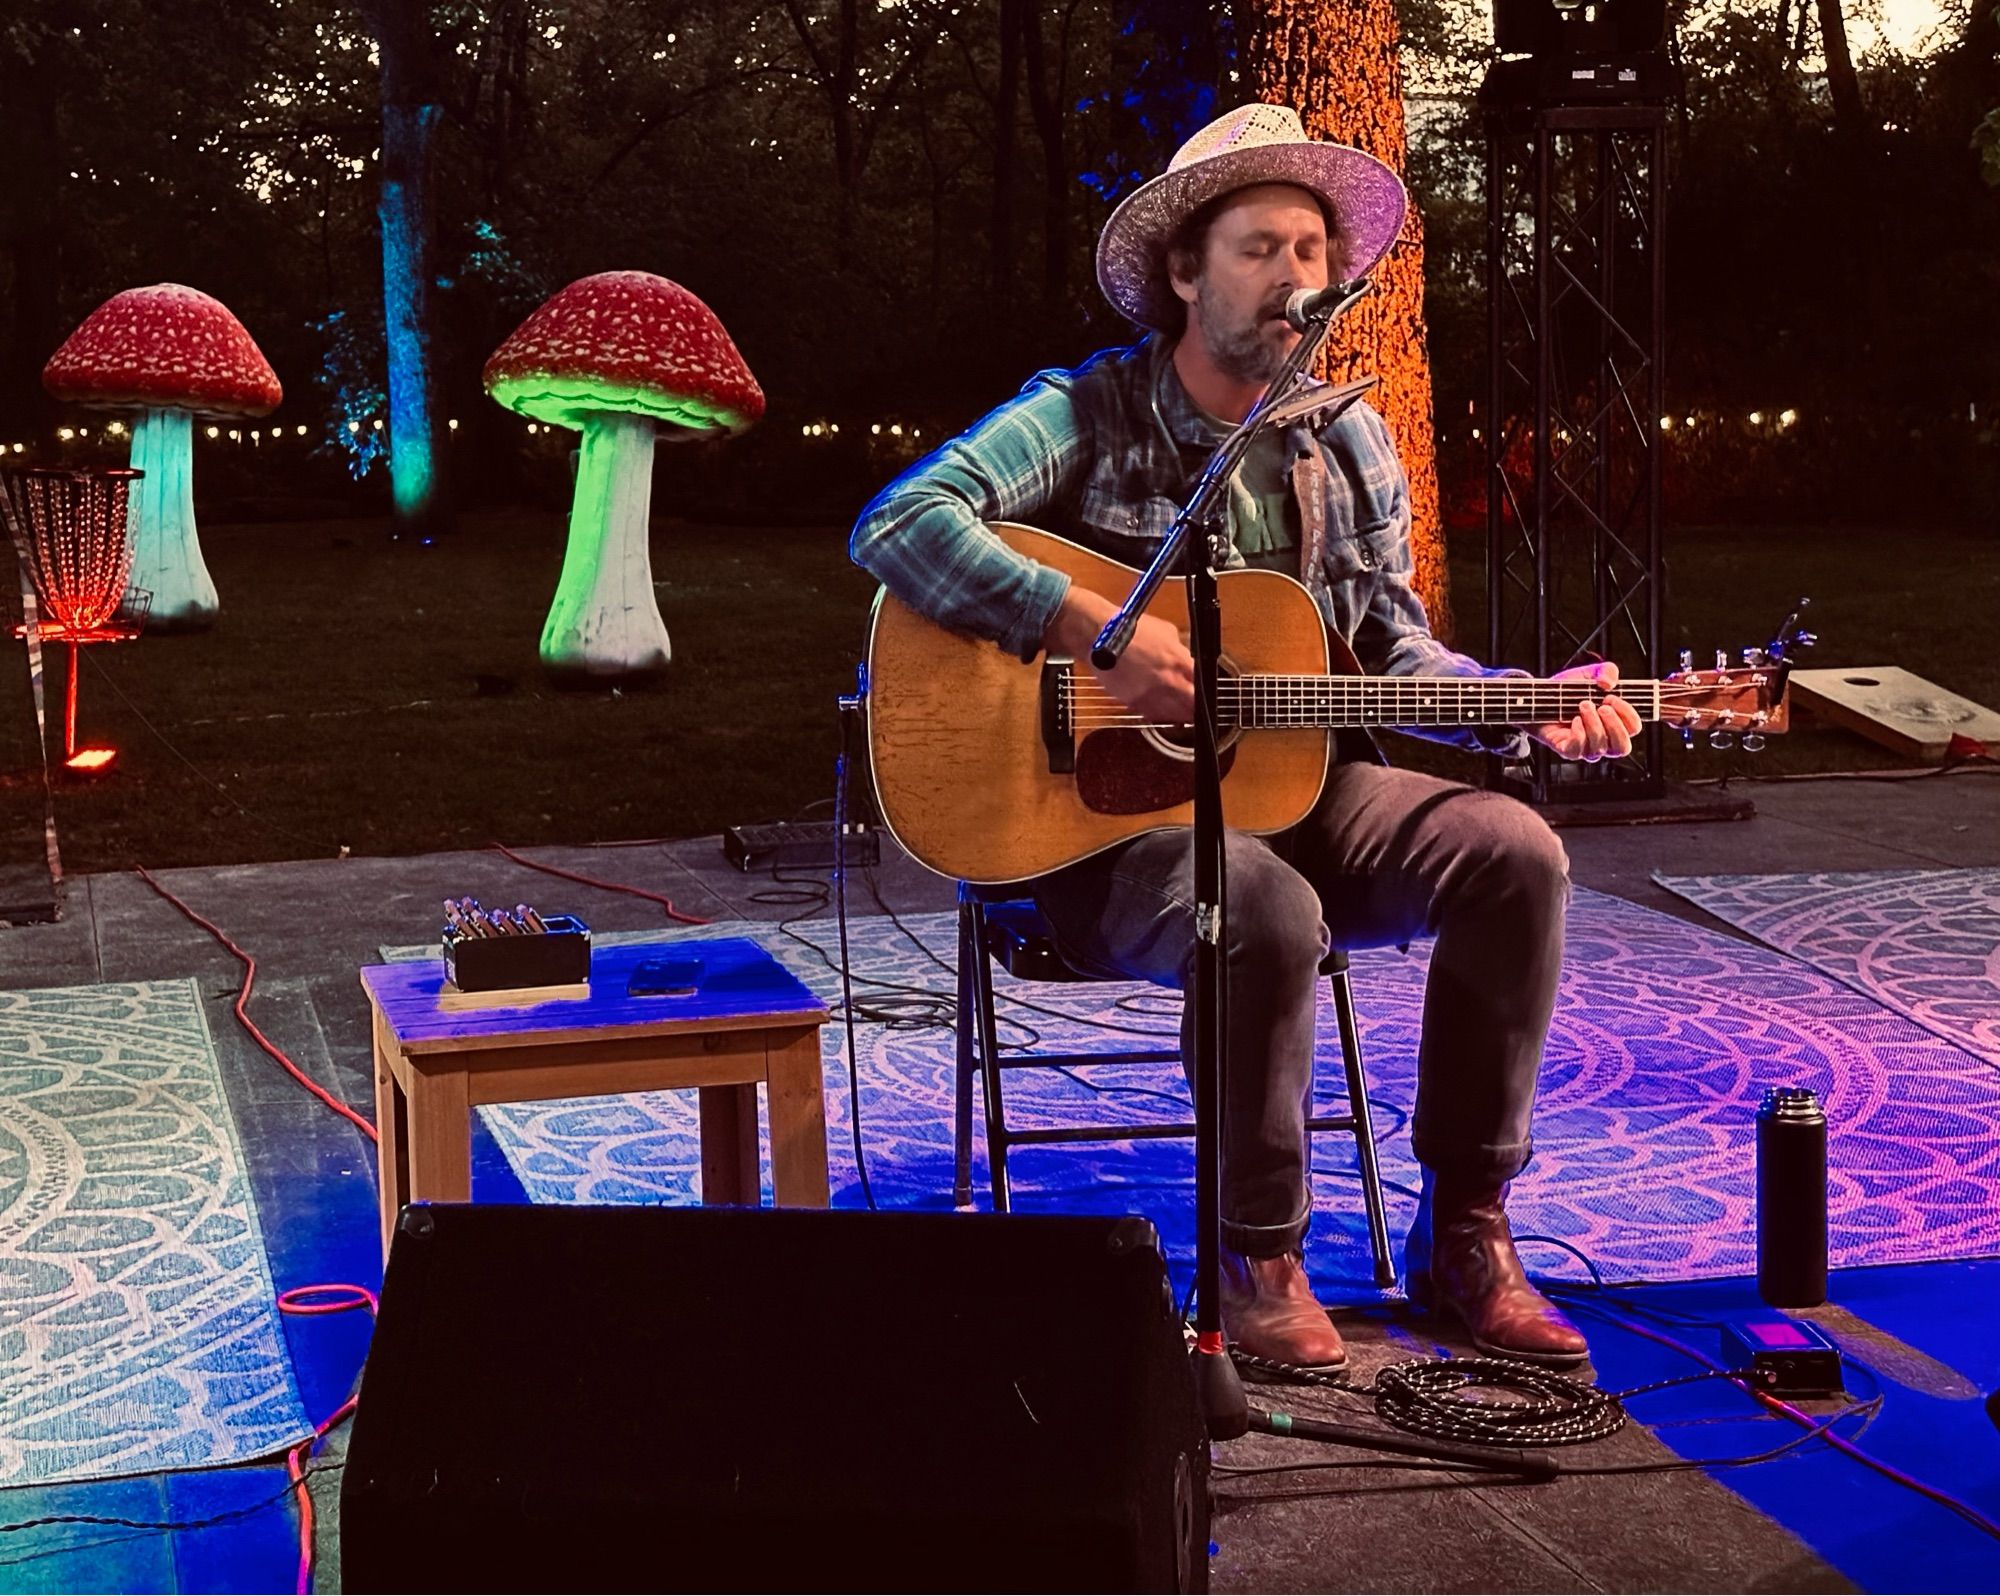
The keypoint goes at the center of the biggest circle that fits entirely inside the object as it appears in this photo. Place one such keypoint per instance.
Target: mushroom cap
(631, 342)
(164, 347)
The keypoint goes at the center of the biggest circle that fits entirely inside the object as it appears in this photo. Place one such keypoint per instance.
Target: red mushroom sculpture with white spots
(625, 358)
(174, 355)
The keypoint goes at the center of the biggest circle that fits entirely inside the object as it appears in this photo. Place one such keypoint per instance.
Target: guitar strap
(1309, 485)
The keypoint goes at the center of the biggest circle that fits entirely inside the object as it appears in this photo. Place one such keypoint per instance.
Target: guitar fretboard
(1336, 701)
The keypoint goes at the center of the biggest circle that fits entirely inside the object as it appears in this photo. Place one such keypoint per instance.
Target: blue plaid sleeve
(924, 537)
(1394, 637)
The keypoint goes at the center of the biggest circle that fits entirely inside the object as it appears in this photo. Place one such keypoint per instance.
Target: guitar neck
(1331, 702)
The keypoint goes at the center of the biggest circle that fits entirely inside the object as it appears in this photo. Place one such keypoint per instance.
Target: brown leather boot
(1460, 1259)
(1269, 1311)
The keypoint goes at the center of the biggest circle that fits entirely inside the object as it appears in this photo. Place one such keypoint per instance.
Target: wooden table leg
(729, 1172)
(798, 1120)
(392, 1147)
(440, 1137)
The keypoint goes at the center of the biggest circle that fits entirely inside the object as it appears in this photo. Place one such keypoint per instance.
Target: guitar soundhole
(1131, 772)
(1138, 770)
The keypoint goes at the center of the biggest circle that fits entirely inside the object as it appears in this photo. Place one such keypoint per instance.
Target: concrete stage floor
(1813, 1521)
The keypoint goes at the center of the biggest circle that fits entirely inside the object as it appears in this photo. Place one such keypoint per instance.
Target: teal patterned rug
(138, 1324)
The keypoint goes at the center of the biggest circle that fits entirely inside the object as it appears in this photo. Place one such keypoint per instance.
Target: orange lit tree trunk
(1337, 63)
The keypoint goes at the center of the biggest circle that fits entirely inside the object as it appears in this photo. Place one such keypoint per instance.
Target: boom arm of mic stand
(1117, 634)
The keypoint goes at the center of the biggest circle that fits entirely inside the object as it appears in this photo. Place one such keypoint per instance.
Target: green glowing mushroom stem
(166, 553)
(605, 622)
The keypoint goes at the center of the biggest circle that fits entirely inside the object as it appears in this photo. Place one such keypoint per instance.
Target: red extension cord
(341, 1298)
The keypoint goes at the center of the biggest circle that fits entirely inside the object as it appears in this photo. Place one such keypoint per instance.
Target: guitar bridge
(1058, 730)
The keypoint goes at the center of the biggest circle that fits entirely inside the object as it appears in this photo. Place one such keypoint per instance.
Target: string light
(214, 432)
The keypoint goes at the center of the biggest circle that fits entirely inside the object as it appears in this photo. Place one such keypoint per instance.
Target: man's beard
(1244, 352)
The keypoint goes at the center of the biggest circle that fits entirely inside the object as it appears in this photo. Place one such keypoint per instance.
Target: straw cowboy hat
(1251, 144)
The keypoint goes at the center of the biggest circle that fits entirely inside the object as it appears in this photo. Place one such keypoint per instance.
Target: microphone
(1322, 304)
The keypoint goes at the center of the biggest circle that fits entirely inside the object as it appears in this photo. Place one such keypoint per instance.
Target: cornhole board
(1895, 708)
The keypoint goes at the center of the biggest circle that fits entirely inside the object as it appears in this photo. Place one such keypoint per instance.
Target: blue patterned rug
(1665, 1038)
(138, 1326)
(1924, 942)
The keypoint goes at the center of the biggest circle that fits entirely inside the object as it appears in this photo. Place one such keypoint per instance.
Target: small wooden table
(749, 1020)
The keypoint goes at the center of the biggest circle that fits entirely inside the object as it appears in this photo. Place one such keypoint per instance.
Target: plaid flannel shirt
(1105, 455)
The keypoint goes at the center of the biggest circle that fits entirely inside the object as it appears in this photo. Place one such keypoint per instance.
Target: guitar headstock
(1745, 700)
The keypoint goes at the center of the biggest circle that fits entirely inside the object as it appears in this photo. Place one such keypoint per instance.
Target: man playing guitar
(1205, 257)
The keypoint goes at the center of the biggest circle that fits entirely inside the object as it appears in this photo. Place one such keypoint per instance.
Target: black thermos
(1791, 1198)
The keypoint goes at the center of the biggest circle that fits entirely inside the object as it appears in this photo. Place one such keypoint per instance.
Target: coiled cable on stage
(1451, 1399)
(1490, 1402)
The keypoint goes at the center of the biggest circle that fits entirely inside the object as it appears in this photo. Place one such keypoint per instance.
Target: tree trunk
(1045, 101)
(1338, 64)
(34, 250)
(1850, 116)
(1000, 232)
(411, 112)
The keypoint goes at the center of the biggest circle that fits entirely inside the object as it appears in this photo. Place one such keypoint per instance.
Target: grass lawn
(358, 694)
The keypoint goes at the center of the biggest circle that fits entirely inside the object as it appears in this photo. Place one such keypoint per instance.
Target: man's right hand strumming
(1155, 677)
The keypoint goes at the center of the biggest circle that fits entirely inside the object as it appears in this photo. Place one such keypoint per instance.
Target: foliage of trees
(892, 205)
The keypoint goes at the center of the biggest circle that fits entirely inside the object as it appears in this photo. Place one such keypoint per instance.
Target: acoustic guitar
(990, 770)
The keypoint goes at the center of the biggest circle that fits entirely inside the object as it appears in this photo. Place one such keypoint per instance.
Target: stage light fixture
(1579, 27)
(1580, 52)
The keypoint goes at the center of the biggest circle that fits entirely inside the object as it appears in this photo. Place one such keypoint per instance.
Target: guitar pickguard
(1122, 772)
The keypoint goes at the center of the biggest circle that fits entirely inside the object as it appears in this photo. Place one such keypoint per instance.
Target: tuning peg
(1752, 742)
(1687, 659)
(1754, 657)
(1721, 739)
(1805, 639)
(1722, 659)
(1687, 737)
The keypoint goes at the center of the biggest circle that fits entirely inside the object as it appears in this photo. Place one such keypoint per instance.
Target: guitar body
(962, 746)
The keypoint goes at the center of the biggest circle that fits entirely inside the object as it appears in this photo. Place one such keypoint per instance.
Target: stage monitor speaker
(565, 1399)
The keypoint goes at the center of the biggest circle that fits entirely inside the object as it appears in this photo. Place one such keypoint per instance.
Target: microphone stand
(1198, 542)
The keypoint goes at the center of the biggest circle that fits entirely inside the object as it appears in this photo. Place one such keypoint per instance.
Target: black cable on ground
(1451, 1399)
(846, 962)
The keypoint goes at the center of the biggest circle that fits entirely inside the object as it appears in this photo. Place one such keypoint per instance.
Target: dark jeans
(1386, 856)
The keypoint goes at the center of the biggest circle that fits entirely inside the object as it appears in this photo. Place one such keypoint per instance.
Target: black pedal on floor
(799, 844)
(1018, 936)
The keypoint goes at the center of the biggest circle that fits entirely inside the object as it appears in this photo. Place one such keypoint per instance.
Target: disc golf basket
(69, 530)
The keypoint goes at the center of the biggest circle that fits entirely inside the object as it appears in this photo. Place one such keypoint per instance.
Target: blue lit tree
(412, 109)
